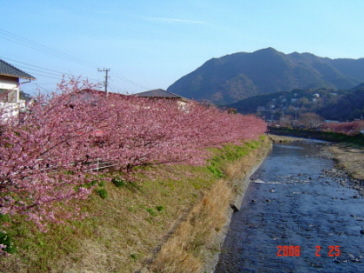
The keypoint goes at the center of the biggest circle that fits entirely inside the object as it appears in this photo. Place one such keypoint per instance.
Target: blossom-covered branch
(45, 156)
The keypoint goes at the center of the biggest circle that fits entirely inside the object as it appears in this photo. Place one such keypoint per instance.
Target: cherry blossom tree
(46, 156)
(348, 128)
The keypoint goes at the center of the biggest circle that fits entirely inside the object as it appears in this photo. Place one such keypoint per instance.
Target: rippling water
(295, 219)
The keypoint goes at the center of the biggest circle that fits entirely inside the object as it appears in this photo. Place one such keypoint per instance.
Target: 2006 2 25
(295, 251)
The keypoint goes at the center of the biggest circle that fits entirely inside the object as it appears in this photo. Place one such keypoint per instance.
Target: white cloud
(172, 20)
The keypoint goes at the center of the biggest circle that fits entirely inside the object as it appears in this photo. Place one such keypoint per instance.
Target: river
(296, 217)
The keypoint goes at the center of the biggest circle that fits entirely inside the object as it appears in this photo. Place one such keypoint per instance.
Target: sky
(151, 44)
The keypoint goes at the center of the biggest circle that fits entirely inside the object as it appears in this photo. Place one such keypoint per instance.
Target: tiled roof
(158, 93)
(9, 70)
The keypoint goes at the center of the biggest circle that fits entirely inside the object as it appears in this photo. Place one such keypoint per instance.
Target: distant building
(160, 94)
(92, 95)
(163, 94)
(10, 76)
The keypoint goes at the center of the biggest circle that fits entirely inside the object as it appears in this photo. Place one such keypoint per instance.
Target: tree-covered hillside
(238, 76)
(341, 105)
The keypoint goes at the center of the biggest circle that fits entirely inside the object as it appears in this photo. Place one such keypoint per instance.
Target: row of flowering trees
(348, 128)
(45, 157)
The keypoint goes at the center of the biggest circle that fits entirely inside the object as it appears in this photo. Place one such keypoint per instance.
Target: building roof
(7, 69)
(158, 93)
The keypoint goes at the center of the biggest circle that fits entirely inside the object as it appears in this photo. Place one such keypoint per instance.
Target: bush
(118, 182)
(102, 193)
(7, 241)
(151, 211)
(90, 184)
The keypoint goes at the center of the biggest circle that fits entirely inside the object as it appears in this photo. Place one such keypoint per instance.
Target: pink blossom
(45, 156)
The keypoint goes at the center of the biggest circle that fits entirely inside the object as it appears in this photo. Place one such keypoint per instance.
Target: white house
(10, 76)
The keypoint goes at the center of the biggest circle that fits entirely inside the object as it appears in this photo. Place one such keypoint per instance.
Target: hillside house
(10, 76)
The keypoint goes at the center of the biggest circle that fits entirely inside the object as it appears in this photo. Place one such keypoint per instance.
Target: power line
(31, 65)
(123, 79)
(42, 48)
(45, 72)
(54, 52)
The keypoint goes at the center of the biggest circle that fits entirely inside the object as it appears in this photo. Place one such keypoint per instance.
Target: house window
(8, 95)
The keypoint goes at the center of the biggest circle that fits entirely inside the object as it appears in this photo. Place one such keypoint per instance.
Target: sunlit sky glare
(151, 44)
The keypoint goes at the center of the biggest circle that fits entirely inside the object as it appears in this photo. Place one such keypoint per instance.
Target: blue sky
(151, 44)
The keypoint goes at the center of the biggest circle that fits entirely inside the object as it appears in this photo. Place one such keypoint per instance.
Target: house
(163, 94)
(160, 94)
(10, 76)
(10, 82)
(93, 95)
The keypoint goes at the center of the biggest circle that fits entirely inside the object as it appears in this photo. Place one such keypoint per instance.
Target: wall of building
(10, 83)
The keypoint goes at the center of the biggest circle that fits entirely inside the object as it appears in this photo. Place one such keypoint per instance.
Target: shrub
(7, 242)
(102, 193)
(151, 211)
(134, 256)
(118, 182)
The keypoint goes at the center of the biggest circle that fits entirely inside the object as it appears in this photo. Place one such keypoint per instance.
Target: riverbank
(198, 238)
(357, 139)
(350, 159)
(281, 138)
(175, 210)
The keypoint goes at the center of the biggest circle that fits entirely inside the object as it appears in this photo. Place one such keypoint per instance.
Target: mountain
(347, 107)
(242, 75)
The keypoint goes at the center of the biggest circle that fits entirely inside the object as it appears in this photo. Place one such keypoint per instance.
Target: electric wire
(42, 48)
(42, 70)
(54, 52)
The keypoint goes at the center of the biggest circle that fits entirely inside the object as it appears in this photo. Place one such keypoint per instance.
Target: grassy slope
(128, 227)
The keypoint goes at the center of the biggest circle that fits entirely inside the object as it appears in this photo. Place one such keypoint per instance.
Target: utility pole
(106, 70)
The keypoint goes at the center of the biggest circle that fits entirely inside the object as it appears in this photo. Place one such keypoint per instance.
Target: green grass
(227, 154)
(126, 219)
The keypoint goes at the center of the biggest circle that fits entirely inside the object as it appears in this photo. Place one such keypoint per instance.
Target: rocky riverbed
(349, 161)
(301, 214)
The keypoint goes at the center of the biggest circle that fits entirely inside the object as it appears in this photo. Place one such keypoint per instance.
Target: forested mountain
(242, 75)
(348, 107)
(341, 105)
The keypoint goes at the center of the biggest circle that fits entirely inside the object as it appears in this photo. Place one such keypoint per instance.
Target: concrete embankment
(248, 166)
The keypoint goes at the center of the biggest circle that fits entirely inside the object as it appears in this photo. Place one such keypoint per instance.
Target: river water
(296, 218)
